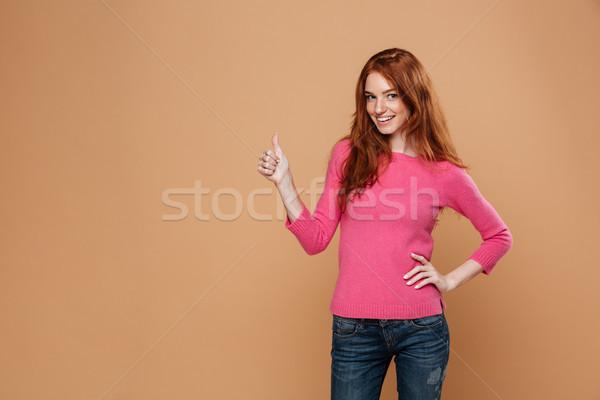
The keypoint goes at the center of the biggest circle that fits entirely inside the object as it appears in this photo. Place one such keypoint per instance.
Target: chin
(388, 130)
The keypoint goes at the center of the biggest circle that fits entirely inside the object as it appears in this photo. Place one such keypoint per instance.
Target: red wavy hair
(426, 127)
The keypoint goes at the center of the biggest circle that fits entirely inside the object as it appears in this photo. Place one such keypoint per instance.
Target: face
(384, 105)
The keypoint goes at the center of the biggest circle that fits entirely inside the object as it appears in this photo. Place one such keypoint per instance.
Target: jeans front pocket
(344, 327)
(427, 322)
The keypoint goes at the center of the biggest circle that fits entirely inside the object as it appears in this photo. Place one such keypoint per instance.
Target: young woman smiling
(386, 183)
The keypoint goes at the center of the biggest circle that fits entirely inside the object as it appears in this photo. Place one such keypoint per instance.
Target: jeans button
(384, 320)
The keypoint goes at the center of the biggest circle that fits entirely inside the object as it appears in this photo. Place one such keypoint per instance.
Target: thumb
(275, 141)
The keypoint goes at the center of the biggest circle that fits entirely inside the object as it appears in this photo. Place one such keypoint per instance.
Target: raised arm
(313, 231)
(275, 166)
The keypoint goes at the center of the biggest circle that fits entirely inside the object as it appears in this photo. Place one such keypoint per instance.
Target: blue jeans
(362, 350)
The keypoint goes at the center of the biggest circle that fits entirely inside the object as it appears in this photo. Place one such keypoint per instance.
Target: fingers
(426, 270)
(268, 156)
(429, 278)
(424, 282)
(417, 268)
(418, 277)
(419, 258)
(268, 162)
(267, 165)
(421, 271)
(265, 171)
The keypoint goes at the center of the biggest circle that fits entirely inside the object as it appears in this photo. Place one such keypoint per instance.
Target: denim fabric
(362, 350)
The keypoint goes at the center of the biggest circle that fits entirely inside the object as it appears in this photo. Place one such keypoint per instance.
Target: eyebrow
(389, 90)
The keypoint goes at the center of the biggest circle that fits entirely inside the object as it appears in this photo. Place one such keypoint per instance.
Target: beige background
(106, 106)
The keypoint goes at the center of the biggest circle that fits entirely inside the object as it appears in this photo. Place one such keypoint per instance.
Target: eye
(393, 95)
(369, 96)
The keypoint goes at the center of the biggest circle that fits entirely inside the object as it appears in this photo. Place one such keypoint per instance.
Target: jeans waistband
(376, 321)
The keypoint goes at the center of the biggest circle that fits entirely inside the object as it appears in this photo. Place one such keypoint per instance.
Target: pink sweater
(380, 229)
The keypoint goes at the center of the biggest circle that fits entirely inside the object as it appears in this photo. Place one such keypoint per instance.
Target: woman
(386, 183)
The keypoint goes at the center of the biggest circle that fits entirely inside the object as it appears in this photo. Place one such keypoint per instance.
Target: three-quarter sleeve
(315, 231)
(462, 194)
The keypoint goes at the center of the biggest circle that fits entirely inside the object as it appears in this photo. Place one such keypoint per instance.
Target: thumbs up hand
(273, 165)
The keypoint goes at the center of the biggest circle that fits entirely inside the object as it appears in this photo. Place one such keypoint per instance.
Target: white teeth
(384, 119)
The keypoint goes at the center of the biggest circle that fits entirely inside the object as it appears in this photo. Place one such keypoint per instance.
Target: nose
(379, 106)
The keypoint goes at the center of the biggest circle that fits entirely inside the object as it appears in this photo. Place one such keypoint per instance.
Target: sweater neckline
(397, 155)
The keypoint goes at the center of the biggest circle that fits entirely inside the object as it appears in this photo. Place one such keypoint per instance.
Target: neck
(400, 145)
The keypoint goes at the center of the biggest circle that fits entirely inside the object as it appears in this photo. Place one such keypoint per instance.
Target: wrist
(451, 282)
(286, 182)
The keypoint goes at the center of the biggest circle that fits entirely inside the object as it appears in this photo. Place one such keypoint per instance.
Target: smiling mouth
(384, 119)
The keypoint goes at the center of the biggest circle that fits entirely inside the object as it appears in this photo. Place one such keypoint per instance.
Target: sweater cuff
(487, 262)
(300, 224)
